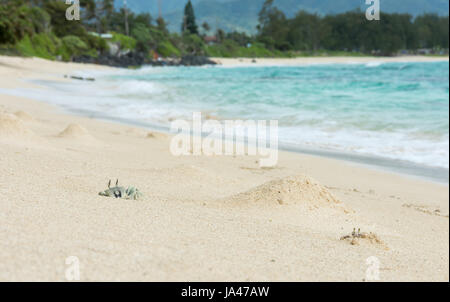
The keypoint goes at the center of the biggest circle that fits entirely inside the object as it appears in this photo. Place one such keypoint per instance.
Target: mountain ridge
(242, 15)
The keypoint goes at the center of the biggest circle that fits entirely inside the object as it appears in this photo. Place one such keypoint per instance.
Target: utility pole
(127, 30)
(217, 25)
(97, 17)
(159, 9)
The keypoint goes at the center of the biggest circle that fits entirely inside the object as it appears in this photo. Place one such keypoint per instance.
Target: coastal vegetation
(39, 28)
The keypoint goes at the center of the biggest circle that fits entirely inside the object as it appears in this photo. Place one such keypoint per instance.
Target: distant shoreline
(278, 61)
(324, 60)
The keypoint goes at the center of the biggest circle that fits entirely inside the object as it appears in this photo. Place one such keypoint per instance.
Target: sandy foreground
(202, 218)
(324, 60)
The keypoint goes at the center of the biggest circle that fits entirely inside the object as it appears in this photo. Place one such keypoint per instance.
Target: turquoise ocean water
(391, 113)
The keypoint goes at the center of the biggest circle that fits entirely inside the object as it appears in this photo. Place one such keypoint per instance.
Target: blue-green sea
(396, 110)
(383, 112)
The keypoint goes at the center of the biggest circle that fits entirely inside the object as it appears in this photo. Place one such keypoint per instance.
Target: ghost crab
(131, 193)
(356, 236)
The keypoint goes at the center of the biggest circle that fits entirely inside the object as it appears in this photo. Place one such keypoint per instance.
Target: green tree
(206, 27)
(18, 20)
(144, 18)
(193, 44)
(220, 34)
(73, 46)
(305, 31)
(143, 37)
(273, 27)
(162, 26)
(264, 14)
(432, 31)
(89, 10)
(117, 21)
(242, 39)
(107, 8)
(14, 22)
(189, 25)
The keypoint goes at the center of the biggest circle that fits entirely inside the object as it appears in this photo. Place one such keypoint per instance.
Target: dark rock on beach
(136, 59)
(189, 60)
(192, 60)
(131, 59)
(79, 78)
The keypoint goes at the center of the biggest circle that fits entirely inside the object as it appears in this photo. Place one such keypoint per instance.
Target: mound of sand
(24, 116)
(288, 191)
(11, 125)
(75, 131)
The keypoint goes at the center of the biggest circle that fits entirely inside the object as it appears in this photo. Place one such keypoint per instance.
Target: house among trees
(210, 40)
(107, 36)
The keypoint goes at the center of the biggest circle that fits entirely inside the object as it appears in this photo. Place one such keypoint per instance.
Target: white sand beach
(201, 218)
(324, 60)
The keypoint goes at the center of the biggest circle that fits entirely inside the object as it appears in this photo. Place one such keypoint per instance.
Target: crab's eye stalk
(109, 184)
(117, 194)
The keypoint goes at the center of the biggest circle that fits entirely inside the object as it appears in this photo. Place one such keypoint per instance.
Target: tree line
(351, 31)
(39, 28)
